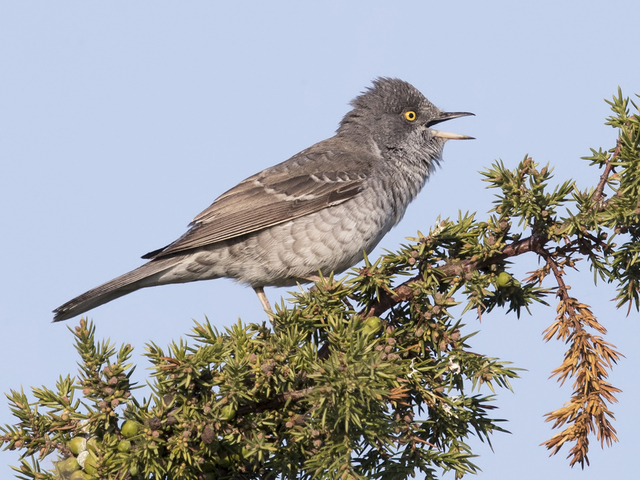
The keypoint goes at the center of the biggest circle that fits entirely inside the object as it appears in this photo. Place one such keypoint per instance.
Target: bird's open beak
(443, 117)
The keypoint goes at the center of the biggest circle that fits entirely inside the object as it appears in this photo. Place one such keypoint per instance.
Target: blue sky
(120, 121)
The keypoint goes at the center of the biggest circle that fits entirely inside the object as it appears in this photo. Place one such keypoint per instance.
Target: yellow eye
(410, 115)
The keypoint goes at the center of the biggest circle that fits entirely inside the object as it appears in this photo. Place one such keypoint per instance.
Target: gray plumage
(317, 211)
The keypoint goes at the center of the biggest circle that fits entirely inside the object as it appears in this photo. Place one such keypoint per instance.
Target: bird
(319, 212)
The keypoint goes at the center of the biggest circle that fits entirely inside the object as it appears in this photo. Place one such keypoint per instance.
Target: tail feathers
(144, 276)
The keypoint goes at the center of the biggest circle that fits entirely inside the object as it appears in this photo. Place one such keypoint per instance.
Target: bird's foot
(264, 301)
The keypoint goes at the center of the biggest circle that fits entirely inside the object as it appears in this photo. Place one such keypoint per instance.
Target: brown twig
(274, 403)
(404, 291)
(599, 194)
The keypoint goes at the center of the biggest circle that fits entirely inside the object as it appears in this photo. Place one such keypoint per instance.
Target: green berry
(228, 413)
(124, 446)
(88, 462)
(94, 444)
(504, 280)
(129, 429)
(371, 325)
(77, 445)
(65, 467)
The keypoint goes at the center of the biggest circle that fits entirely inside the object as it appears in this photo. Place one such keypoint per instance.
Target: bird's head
(400, 121)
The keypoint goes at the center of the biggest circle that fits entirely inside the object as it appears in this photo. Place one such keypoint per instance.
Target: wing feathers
(273, 197)
(113, 289)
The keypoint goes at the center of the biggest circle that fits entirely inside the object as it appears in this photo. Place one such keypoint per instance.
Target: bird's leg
(263, 300)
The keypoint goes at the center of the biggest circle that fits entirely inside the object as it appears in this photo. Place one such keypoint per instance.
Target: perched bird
(316, 212)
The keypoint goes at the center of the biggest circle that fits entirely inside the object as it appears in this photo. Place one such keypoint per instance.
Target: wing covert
(300, 186)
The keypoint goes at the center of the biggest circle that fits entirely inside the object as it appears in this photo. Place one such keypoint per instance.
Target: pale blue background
(120, 121)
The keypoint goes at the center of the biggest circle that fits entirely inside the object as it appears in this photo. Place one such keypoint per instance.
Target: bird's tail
(144, 276)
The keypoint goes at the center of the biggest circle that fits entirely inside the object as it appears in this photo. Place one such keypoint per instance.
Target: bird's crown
(391, 95)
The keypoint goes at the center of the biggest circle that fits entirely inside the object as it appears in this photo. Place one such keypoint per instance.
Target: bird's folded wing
(276, 195)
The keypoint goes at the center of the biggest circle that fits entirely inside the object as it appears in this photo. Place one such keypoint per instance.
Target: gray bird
(316, 212)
